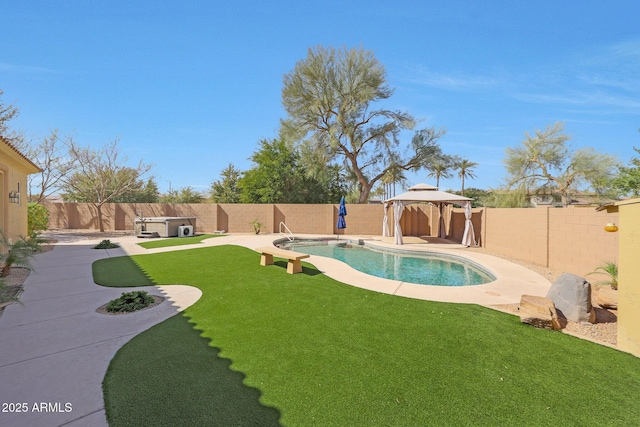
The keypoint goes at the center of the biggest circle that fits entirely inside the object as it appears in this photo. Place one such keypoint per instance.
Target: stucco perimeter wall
(233, 218)
(578, 243)
(517, 233)
(121, 216)
(570, 240)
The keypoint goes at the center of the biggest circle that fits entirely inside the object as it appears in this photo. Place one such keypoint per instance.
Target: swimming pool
(423, 269)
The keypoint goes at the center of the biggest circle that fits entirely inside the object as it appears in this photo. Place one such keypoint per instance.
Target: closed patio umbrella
(342, 212)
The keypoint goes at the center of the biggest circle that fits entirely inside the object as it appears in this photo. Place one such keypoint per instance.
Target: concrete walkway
(55, 348)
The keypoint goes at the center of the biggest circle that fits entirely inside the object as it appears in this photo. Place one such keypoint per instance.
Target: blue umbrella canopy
(342, 211)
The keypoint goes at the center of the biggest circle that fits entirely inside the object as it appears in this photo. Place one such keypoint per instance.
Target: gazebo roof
(423, 187)
(428, 193)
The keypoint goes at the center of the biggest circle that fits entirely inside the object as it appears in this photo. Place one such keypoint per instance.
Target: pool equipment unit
(164, 226)
(185, 230)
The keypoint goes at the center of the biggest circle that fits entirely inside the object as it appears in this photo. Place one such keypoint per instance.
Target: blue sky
(192, 86)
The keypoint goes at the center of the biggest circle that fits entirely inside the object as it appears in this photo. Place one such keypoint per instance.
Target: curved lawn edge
(177, 241)
(326, 353)
(169, 375)
(119, 272)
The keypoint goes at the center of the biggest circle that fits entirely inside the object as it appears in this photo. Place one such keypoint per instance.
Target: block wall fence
(568, 239)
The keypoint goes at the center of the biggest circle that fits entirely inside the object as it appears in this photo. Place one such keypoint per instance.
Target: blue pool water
(425, 269)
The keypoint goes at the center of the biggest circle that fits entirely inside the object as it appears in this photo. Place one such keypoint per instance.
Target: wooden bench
(293, 266)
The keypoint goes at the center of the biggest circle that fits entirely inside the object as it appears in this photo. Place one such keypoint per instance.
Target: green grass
(320, 352)
(119, 272)
(177, 241)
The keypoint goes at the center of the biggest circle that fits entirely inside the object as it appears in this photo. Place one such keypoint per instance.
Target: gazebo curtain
(385, 221)
(468, 237)
(398, 208)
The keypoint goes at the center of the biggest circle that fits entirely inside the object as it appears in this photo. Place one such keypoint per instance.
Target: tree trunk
(100, 225)
(364, 193)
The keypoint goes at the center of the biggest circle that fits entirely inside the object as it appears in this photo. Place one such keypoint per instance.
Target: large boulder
(539, 312)
(571, 295)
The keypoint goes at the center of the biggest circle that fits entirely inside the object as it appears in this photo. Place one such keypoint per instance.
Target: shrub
(257, 225)
(610, 269)
(106, 244)
(37, 218)
(18, 254)
(8, 294)
(130, 301)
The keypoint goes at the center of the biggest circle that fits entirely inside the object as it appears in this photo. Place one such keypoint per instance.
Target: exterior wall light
(14, 197)
(611, 227)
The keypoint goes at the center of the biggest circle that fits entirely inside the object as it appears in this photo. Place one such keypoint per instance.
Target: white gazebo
(425, 193)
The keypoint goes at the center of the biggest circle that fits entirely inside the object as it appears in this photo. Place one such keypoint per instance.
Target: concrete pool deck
(513, 280)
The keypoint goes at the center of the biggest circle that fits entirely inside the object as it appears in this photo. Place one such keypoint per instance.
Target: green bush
(610, 269)
(130, 301)
(17, 254)
(8, 294)
(106, 244)
(37, 218)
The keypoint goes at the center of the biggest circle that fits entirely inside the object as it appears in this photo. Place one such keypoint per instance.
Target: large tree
(544, 161)
(140, 192)
(278, 176)
(54, 163)
(183, 195)
(440, 169)
(331, 97)
(9, 112)
(465, 170)
(226, 189)
(100, 175)
(628, 180)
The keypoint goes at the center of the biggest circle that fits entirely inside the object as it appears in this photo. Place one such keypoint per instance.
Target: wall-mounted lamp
(14, 197)
(611, 227)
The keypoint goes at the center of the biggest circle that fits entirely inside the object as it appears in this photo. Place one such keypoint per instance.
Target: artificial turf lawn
(177, 241)
(119, 272)
(320, 352)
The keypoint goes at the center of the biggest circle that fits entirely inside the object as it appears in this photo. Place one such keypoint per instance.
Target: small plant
(106, 244)
(35, 242)
(130, 301)
(14, 254)
(5, 294)
(257, 225)
(610, 269)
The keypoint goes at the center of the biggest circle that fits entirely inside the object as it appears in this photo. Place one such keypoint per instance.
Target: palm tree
(465, 170)
(394, 176)
(439, 170)
(16, 254)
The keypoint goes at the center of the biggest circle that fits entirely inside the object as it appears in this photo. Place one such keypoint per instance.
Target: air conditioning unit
(185, 230)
